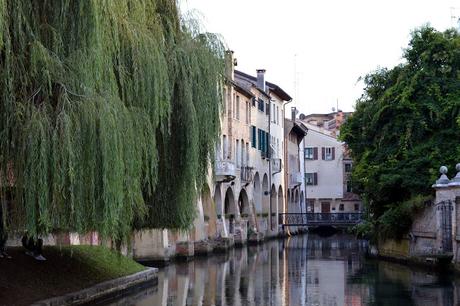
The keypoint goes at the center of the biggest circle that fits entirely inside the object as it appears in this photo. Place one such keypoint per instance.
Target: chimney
(293, 113)
(229, 64)
(261, 79)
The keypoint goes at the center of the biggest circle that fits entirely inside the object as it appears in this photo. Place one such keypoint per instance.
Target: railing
(246, 174)
(317, 219)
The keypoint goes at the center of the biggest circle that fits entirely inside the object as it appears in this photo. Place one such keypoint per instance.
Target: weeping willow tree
(109, 112)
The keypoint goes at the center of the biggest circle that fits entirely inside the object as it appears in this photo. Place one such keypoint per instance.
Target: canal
(302, 270)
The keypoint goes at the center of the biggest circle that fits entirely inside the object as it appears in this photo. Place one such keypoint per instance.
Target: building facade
(327, 173)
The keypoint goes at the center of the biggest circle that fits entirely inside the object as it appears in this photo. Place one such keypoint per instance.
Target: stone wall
(435, 231)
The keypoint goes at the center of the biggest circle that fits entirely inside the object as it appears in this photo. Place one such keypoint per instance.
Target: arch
(229, 202)
(218, 200)
(243, 202)
(265, 195)
(273, 207)
(280, 200)
(257, 194)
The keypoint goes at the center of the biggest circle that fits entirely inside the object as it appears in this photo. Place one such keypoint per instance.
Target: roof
(297, 127)
(271, 86)
(242, 90)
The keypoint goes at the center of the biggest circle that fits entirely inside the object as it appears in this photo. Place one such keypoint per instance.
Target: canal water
(299, 271)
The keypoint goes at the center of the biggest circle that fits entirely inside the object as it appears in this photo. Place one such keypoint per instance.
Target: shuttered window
(253, 136)
(328, 153)
(311, 179)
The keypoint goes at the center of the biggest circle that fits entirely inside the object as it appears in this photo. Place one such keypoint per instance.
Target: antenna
(295, 78)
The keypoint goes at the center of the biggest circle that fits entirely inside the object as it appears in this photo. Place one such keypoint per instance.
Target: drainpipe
(286, 184)
(270, 163)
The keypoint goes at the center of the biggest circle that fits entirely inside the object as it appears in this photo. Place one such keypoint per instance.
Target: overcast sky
(317, 50)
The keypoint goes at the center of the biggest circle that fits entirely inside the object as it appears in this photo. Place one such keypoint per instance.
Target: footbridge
(320, 219)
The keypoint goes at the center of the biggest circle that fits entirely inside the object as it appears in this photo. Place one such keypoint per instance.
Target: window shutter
(333, 153)
(267, 145)
(315, 178)
(305, 153)
(259, 140)
(323, 153)
(315, 153)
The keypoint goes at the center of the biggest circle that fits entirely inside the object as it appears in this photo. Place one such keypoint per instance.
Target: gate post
(446, 222)
(454, 187)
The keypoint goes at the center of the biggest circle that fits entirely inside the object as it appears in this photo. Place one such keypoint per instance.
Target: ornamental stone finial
(443, 179)
(456, 179)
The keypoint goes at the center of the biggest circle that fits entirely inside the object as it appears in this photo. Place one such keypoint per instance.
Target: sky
(317, 50)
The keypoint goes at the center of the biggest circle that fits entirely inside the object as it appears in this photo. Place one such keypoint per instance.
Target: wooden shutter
(333, 153)
(323, 153)
(315, 178)
(315, 153)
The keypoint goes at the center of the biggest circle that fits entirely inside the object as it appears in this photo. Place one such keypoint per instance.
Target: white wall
(330, 173)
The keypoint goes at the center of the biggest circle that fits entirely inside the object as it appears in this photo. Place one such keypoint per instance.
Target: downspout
(269, 163)
(285, 159)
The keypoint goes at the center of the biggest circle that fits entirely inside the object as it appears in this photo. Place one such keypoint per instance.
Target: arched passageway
(230, 211)
(218, 201)
(257, 194)
(243, 203)
(273, 207)
(280, 200)
(265, 195)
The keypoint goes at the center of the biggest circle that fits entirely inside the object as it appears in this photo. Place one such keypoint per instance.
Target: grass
(23, 280)
(101, 262)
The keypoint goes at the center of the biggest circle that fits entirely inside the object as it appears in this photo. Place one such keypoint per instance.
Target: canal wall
(434, 236)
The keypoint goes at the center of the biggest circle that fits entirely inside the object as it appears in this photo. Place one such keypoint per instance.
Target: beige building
(267, 129)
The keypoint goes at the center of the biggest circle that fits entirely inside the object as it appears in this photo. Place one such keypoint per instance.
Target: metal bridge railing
(319, 218)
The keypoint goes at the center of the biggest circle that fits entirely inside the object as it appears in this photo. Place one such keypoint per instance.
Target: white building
(327, 170)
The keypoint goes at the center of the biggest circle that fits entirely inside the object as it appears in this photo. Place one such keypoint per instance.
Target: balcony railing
(246, 174)
(225, 171)
(317, 219)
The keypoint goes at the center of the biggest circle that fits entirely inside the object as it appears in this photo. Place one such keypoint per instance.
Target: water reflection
(304, 270)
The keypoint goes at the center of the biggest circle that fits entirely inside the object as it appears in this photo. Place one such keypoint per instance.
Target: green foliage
(109, 112)
(406, 126)
(397, 220)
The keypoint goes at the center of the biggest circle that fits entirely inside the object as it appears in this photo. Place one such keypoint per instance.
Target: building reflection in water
(303, 270)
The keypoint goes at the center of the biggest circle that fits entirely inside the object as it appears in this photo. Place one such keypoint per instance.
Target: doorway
(325, 207)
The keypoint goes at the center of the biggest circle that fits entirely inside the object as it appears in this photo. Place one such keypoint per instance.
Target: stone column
(442, 202)
(454, 187)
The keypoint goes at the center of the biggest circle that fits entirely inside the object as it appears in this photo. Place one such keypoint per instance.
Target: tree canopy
(407, 122)
(109, 112)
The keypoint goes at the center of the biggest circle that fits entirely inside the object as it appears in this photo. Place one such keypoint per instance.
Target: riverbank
(23, 280)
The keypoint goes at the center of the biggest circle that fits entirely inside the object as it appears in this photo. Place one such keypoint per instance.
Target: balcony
(246, 175)
(225, 171)
(295, 179)
(276, 165)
